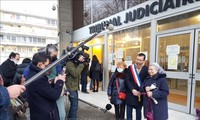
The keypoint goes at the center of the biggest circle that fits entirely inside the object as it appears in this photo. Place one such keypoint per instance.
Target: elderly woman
(156, 88)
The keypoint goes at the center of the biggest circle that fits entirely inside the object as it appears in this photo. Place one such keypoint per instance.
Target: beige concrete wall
(65, 19)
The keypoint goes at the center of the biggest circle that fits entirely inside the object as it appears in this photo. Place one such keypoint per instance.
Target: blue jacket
(26, 71)
(4, 103)
(113, 90)
(161, 92)
(42, 96)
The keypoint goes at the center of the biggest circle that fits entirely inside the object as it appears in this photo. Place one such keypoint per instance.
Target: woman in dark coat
(117, 84)
(156, 87)
(94, 74)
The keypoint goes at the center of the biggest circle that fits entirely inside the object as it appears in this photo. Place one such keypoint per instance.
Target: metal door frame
(196, 76)
(180, 75)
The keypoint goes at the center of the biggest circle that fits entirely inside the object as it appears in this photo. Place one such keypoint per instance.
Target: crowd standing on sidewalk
(130, 87)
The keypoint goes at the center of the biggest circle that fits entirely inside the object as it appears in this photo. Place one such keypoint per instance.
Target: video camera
(77, 52)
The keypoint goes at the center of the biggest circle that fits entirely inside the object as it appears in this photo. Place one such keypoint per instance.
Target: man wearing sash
(136, 74)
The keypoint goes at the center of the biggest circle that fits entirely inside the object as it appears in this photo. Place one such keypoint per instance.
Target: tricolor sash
(136, 76)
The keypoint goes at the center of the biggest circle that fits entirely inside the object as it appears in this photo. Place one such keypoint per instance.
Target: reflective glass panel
(192, 18)
(178, 91)
(169, 58)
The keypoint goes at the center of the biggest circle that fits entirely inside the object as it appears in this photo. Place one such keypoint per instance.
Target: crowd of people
(130, 87)
(45, 96)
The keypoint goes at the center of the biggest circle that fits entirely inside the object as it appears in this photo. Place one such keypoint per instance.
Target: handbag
(198, 112)
(121, 95)
(149, 110)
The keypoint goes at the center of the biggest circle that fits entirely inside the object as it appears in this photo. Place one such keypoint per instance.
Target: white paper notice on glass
(120, 53)
(172, 62)
(172, 49)
(128, 63)
(113, 68)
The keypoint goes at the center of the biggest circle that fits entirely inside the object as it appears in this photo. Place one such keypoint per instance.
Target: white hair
(158, 68)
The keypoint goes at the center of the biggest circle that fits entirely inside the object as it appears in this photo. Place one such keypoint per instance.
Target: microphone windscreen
(110, 27)
(108, 106)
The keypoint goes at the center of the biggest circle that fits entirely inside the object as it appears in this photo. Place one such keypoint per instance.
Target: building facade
(167, 31)
(25, 34)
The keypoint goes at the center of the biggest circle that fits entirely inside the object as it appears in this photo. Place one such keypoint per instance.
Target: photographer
(74, 67)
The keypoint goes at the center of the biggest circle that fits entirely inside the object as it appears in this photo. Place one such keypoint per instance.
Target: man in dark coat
(41, 94)
(133, 98)
(8, 69)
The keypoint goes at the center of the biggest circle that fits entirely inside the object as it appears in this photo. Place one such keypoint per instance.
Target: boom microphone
(49, 67)
(108, 107)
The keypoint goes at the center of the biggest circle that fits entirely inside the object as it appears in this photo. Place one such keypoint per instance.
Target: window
(192, 18)
(53, 22)
(8, 37)
(24, 49)
(30, 49)
(14, 49)
(34, 40)
(2, 48)
(1, 37)
(39, 40)
(23, 39)
(19, 49)
(13, 39)
(18, 17)
(126, 44)
(130, 42)
(43, 41)
(30, 39)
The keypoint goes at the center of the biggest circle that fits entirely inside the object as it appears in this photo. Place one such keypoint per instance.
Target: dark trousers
(72, 115)
(84, 82)
(130, 111)
(119, 112)
(97, 82)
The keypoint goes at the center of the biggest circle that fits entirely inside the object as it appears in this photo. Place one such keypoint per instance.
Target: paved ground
(100, 99)
(87, 112)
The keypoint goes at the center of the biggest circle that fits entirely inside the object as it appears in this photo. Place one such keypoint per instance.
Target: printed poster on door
(172, 62)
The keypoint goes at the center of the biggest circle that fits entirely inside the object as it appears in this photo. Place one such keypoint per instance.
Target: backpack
(97, 67)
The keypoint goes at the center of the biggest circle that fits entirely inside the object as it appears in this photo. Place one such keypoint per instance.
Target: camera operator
(84, 73)
(74, 67)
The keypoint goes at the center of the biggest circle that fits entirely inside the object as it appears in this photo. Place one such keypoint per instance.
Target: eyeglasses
(139, 60)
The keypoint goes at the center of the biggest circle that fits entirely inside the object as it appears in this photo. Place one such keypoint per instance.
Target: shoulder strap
(135, 74)
(117, 84)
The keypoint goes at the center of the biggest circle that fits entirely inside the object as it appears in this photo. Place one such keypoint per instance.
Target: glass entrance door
(196, 74)
(176, 53)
